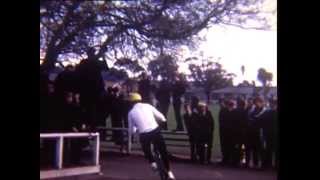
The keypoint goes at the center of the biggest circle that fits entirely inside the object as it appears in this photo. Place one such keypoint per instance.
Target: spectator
(47, 123)
(254, 143)
(205, 133)
(178, 89)
(226, 117)
(117, 119)
(70, 120)
(91, 87)
(145, 88)
(191, 124)
(163, 98)
(66, 81)
(269, 125)
(239, 123)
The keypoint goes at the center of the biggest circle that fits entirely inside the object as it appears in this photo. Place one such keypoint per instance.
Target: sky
(236, 47)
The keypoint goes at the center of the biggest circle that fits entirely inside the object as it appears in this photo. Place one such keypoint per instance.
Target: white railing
(59, 155)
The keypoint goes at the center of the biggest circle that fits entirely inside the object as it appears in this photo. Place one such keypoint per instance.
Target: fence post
(59, 152)
(97, 150)
(129, 141)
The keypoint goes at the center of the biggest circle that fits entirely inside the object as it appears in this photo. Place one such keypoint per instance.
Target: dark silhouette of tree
(135, 28)
(164, 66)
(245, 83)
(209, 75)
(265, 78)
(243, 69)
(129, 65)
(119, 74)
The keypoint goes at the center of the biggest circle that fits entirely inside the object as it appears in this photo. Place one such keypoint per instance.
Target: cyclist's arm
(132, 128)
(158, 115)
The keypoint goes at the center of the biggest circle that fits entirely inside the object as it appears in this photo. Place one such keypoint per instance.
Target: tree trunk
(49, 61)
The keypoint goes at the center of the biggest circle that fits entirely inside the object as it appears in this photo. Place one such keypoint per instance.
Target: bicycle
(160, 165)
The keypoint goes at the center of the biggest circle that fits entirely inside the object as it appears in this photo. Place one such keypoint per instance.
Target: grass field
(216, 153)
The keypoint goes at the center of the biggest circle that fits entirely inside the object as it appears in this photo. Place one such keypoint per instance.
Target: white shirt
(143, 117)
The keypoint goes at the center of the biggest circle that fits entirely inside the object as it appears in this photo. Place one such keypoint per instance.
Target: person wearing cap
(145, 119)
(205, 133)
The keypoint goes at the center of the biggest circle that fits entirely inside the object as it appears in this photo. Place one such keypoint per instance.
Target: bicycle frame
(160, 165)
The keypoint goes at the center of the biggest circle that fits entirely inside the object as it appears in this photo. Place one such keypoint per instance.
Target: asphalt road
(135, 167)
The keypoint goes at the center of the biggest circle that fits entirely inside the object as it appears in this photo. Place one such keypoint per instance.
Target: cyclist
(145, 118)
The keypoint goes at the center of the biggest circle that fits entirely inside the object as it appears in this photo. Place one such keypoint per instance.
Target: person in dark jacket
(66, 81)
(163, 98)
(178, 90)
(254, 133)
(48, 106)
(118, 116)
(239, 124)
(226, 117)
(91, 87)
(145, 88)
(205, 133)
(191, 124)
(71, 120)
(269, 123)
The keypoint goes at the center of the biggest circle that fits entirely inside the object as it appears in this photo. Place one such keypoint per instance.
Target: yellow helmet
(134, 97)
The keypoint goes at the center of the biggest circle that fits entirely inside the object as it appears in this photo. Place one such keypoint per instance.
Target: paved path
(135, 167)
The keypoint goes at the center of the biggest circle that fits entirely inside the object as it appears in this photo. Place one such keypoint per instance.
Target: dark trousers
(204, 149)
(193, 147)
(253, 145)
(164, 108)
(236, 152)
(154, 137)
(268, 151)
(177, 113)
(91, 114)
(117, 135)
(226, 145)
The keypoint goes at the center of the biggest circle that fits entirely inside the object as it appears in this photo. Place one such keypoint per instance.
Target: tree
(118, 74)
(129, 65)
(243, 69)
(209, 75)
(164, 66)
(135, 28)
(245, 83)
(265, 78)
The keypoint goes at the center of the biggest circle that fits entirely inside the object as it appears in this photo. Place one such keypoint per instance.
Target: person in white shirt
(145, 119)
